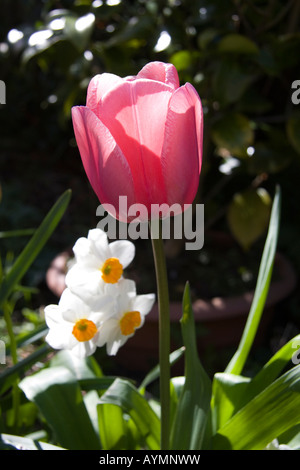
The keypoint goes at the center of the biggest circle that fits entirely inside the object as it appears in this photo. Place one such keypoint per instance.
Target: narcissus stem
(164, 333)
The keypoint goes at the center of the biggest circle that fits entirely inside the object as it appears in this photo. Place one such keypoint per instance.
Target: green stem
(164, 335)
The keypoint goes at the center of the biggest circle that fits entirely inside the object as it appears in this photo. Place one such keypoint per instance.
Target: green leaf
(231, 81)
(232, 392)
(183, 60)
(194, 402)
(238, 44)
(112, 427)
(248, 215)
(17, 233)
(237, 363)
(34, 246)
(123, 394)
(264, 418)
(10, 374)
(272, 368)
(228, 391)
(101, 384)
(58, 396)
(234, 133)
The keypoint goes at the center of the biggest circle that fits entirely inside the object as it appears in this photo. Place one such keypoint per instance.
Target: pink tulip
(141, 137)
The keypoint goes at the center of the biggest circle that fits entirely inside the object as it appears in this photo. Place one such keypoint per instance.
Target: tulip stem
(164, 331)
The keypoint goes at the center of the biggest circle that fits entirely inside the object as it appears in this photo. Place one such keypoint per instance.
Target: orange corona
(84, 330)
(129, 322)
(112, 270)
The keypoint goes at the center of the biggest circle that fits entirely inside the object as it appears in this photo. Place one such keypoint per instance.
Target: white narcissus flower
(98, 264)
(130, 311)
(74, 325)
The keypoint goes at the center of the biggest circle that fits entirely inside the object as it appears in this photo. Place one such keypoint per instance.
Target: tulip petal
(182, 151)
(135, 114)
(161, 72)
(104, 163)
(98, 86)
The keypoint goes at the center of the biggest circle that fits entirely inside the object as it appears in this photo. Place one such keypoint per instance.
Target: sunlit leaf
(271, 370)
(112, 427)
(248, 215)
(228, 390)
(123, 394)
(275, 410)
(238, 44)
(182, 60)
(58, 396)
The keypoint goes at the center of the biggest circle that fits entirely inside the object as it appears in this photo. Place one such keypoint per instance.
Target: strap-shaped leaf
(237, 363)
(34, 246)
(58, 396)
(123, 394)
(266, 417)
(9, 375)
(272, 369)
(190, 421)
(112, 427)
(228, 392)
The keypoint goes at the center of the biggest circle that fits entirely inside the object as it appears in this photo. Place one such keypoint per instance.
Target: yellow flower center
(84, 330)
(129, 322)
(112, 270)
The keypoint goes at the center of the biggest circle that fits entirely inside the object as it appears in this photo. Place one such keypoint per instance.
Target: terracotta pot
(222, 320)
